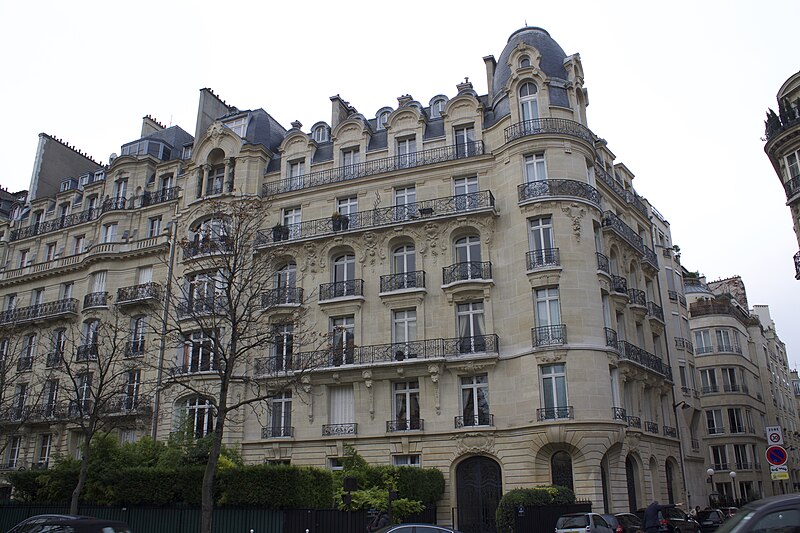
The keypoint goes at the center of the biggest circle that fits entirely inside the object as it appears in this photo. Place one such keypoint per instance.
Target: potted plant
(279, 232)
(339, 221)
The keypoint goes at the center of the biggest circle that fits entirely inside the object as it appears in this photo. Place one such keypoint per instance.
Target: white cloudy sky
(679, 90)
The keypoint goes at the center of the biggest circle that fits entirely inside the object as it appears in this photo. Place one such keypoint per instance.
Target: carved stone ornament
(576, 213)
(372, 252)
(431, 244)
(310, 259)
(474, 443)
(215, 133)
(551, 357)
(434, 371)
(367, 376)
(472, 367)
(634, 439)
(306, 383)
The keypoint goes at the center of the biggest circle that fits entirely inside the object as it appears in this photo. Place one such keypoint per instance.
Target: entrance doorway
(478, 491)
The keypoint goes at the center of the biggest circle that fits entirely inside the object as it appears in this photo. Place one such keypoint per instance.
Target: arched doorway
(670, 479)
(478, 490)
(630, 476)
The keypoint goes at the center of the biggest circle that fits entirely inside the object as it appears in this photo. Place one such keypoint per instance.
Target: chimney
(491, 64)
(150, 125)
(340, 111)
(211, 107)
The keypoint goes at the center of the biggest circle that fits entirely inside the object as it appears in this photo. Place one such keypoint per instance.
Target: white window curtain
(342, 405)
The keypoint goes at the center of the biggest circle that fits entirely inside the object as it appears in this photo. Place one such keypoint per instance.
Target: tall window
(347, 209)
(130, 396)
(320, 133)
(344, 272)
(541, 241)
(554, 391)
(138, 326)
(45, 444)
(98, 283)
(708, 380)
(66, 290)
(714, 422)
(730, 380)
(437, 107)
(23, 258)
(465, 191)
(29, 346)
(350, 157)
(535, 168)
(283, 346)
(793, 165)
(468, 258)
(342, 332)
(404, 331)
(475, 400)
(561, 469)
(741, 457)
(216, 180)
(735, 420)
(20, 400)
(199, 416)
(59, 339)
(50, 251)
(79, 244)
(702, 342)
(204, 291)
(50, 397)
(528, 104)
(14, 445)
(342, 406)
(382, 118)
(405, 203)
(121, 188)
(285, 281)
(548, 317)
(719, 457)
(406, 152)
(281, 414)
(403, 267)
(724, 343)
(109, 232)
(83, 399)
(153, 226)
(198, 353)
(470, 327)
(91, 332)
(406, 405)
(465, 141)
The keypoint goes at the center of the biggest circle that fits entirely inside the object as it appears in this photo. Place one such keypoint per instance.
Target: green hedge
(537, 496)
(276, 487)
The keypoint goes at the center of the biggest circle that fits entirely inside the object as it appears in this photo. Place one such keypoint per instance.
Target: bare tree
(229, 356)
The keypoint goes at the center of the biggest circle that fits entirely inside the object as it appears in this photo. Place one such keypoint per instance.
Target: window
(283, 346)
(281, 414)
(153, 227)
(199, 416)
(535, 168)
(320, 133)
(66, 290)
(541, 242)
(130, 395)
(286, 276)
(342, 405)
(730, 380)
(59, 342)
(83, 398)
(50, 251)
(50, 397)
(465, 191)
(403, 268)
(549, 329)
(216, 179)
(29, 346)
(735, 420)
(406, 152)
(138, 325)
(292, 216)
(554, 392)
(11, 302)
(144, 274)
(79, 244)
(382, 118)
(437, 107)
(405, 203)
(561, 470)
(23, 258)
(166, 184)
(465, 141)
(406, 460)
(335, 463)
(404, 332)
(342, 332)
(702, 342)
(98, 281)
(37, 298)
(121, 188)
(45, 444)
(469, 318)
(524, 62)
(344, 273)
(109, 232)
(468, 250)
(406, 406)
(528, 104)
(350, 157)
(719, 457)
(14, 445)
(238, 126)
(20, 401)
(296, 170)
(724, 343)
(714, 422)
(475, 401)
(204, 291)
(348, 209)
(708, 380)
(198, 353)
(793, 165)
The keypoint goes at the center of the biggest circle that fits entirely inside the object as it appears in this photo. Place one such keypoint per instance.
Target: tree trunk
(76, 493)
(207, 508)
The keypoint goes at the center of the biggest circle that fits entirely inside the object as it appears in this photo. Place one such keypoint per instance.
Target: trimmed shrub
(537, 496)
(276, 487)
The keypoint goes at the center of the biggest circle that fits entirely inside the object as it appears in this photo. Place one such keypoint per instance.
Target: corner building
(483, 267)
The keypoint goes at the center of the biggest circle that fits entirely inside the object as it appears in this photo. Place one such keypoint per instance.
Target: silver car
(583, 523)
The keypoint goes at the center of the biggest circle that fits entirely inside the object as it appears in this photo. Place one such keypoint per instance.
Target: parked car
(613, 523)
(710, 519)
(674, 520)
(728, 511)
(60, 523)
(774, 514)
(415, 528)
(583, 523)
(630, 522)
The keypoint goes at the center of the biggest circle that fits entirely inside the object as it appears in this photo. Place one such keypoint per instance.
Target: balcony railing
(403, 280)
(634, 422)
(135, 293)
(335, 430)
(611, 338)
(618, 413)
(54, 359)
(558, 188)
(792, 187)
(15, 413)
(415, 424)
(24, 363)
(602, 263)
(466, 271)
(544, 126)
(157, 197)
(650, 257)
(480, 419)
(23, 315)
(716, 430)
(209, 305)
(378, 166)
(340, 289)
(637, 297)
(644, 358)
(86, 352)
(651, 427)
(673, 296)
(384, 216)
(276, 432)
(695, 443)
(127, 405)
(378, 353)
(628, 234)
(670, 431)
(720, 307)
(655, 311)
(207, 246)
(544, 258)
(95, 299)
(135, 348)
(554, 335)
(282, 296)
(797, 265)
(194, 367)
(629, 197)
(709, 389)
(730, 348)
(734, 387)
(619, 284)
(554, 413)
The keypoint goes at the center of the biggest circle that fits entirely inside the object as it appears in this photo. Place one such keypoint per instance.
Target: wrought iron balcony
(135, 348)
(194, 367)
(720, 307)
(611, 338)
(602, 263)
(48, 411)
(24, 363)
(735, 387)
(644, 358)
(554, 335)
(207, 246)
(282, 296)
(337, 356)
(797, 265)
(670, 431)
(209, 305)
(341, 289)
(673, 296)
(79, 408)
(637, 297)
(127, 405)
(86, 352)
(634, 422)
(628, 234)
(651, 427)
(378, 166)
(547, 257)
(15, 413)
(655, 311)
(54, 359)
(545, 126)
(114, 204)
(554, 413)
(618, 413)
(24, 315)
(95, 299)
(467, 271)
(629, 197)
(650, 256)
(403, 280)
(384, 216)
(682, 300)
(277, 432)
(619, 284)
(336, 430)
(138, 293)
(480, 419)
(415, 424)
(558, 188)
(152, 198)
(792, 187)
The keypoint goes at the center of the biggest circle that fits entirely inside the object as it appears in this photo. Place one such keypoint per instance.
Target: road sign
(778, 468)
(776, 455)
(774, 435)
(778, 476)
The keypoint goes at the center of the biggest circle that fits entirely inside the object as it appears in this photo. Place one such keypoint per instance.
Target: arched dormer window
(381, 117)
(320, 133)
(437, 106)
(524, 61)
(528, 101)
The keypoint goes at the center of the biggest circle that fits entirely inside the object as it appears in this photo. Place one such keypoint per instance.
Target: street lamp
(710, 480)
(733, 482)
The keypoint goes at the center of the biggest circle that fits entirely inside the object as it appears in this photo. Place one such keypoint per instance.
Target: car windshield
(708, 515)
(580, 520)
(733, 523)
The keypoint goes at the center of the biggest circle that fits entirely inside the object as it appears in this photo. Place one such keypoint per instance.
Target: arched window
(320, 133)
(199, 414)
(404, 259)
(561, 469)
(382, 117)
(286, 277)
(528, 103)
(468, 249)
(524, 62)
(437, 106)
(344, 273)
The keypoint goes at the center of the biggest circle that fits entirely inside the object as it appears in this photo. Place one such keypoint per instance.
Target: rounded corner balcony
(549, 336)
(797, 265)
(35, 313)
(207, 246)
(549, 126)
(144, 293)
(550, 189)
(95, 300)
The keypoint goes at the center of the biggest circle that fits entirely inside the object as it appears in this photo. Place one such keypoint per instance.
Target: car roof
(66, 519)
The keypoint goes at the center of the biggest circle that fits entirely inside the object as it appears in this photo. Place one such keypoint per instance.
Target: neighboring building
(482, 267)
(783, 149)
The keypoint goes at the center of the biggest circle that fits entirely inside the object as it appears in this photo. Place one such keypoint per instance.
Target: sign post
(774, 435)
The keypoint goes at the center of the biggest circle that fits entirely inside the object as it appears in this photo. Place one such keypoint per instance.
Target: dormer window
(437, 106)
(529, 106)
(382, 117)
(320, 133)
(524, 62)
(237, 126)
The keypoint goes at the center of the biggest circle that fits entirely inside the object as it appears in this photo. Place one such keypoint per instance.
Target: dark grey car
(777, 514)
(60, 523)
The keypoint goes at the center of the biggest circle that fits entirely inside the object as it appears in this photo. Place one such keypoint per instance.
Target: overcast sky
(679, 91)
